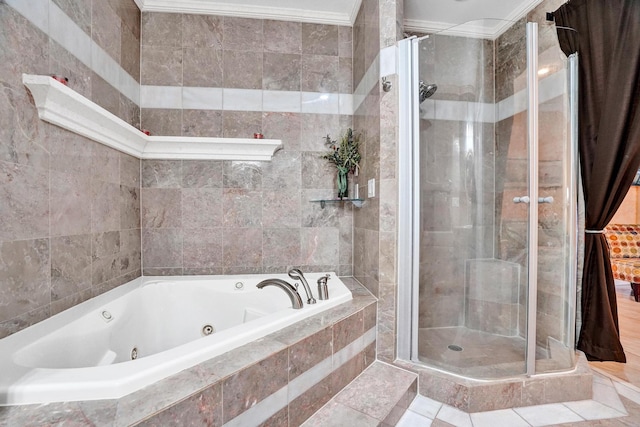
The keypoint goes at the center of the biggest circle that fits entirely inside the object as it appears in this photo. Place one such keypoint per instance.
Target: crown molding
(207, 7)
(354, 11)
(431, 27)
(522, 10)
(476, 31)
(515, 15)
(64, 107)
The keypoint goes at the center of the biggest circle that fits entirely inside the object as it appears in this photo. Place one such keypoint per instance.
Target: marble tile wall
(224, 217)
(366, 42)
(69, 207)
(239, 54)
(378, 25)
(218, 217)
(388, 247)
(391, 22)
(90, 40)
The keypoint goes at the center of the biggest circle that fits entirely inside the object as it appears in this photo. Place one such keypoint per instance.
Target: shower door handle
(526, 199)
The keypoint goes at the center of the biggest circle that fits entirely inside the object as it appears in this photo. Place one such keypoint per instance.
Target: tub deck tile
(41, 415)
(223, 388)
(301, 330)
(347, 330)
(309, 352)
(100, 412)
(281, 418)
(231, 362)
(203, 408)
(159, 396)
(252, 384)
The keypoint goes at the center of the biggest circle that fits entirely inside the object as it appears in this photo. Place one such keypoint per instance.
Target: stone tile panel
(202, 208)
(70, 265)
(243, 34)
(203, 250)
(25, 211)
(202, 67)
(249, 386)
(161, 29)
(282, 36)
(320, 39)
(161, 65)
(161, 208)
(161, 173)
(203, 31)
(162, 248)
(25, 273)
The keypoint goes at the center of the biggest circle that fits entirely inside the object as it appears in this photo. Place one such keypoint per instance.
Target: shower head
(427, 90)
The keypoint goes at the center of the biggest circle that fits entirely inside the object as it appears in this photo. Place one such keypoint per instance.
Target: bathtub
(143, 331)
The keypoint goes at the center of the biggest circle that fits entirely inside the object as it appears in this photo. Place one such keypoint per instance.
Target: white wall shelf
(64, 107)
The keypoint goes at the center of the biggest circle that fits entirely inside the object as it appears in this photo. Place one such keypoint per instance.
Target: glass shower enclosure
(487, 171)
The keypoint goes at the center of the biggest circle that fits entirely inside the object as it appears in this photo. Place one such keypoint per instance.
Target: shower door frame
(409, 196)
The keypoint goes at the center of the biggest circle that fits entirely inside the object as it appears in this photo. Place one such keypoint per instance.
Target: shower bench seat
(624, 252)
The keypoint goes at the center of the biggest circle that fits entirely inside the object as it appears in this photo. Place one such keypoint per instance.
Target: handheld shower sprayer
(296, 273)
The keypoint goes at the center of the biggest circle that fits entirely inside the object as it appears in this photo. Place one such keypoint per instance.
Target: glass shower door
(557, 111)
(473, 269)
(482, 306)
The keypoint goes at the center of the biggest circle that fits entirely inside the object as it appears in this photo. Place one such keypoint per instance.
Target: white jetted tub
(146, 330)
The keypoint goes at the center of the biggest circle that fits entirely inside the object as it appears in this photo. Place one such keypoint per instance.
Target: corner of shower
(483, 220)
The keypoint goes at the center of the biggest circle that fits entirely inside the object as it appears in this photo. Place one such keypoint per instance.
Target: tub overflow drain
(208, 330)
(134, 353)
(454, 347)
(106, 316)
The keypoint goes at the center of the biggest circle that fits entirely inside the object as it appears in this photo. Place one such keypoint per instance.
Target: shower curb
(470, 395)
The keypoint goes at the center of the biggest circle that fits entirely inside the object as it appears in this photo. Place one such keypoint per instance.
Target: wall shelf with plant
(345, 156)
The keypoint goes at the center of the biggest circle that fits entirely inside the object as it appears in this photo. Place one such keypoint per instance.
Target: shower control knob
(523, 199)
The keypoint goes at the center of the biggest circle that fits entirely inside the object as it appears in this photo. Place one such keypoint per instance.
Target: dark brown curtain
(607, 39)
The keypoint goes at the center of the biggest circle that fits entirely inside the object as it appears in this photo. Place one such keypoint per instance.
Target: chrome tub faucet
(294, 296)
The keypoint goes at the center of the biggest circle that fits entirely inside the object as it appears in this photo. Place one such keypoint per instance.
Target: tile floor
(378, 397)
(476, 355)
(614, 403)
